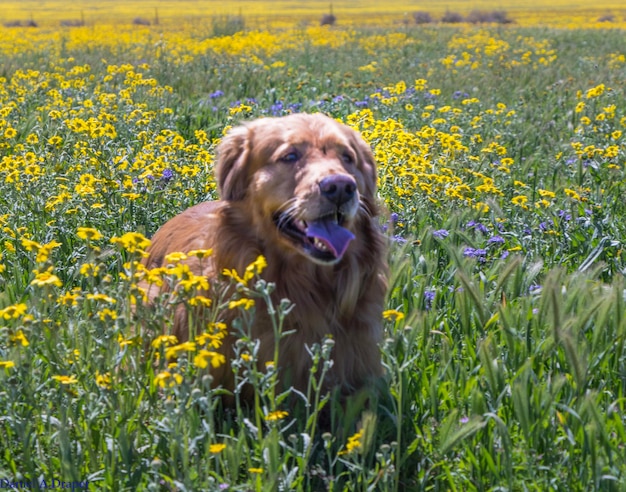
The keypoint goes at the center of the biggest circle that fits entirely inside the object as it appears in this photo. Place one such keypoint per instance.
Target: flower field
(501, 154)
(287, 13)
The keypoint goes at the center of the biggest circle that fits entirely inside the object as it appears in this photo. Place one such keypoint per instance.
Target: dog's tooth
(320, 245)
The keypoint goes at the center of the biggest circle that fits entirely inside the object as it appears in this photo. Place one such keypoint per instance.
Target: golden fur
(271, 176)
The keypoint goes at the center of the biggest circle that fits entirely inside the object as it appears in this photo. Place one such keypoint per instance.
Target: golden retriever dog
(301, 191)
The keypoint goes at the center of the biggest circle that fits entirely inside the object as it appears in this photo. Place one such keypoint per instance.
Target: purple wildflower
(277, 109)
(495, 240)
(440, 234)
(564, 215)
(478, 226)
(477, 253)
(166, 175)
(216, 94)
(393, 220)
(429, 297)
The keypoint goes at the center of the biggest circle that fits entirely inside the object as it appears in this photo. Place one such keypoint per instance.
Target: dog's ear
(231, 169)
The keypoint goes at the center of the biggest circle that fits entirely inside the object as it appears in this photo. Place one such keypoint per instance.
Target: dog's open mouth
(323, 239)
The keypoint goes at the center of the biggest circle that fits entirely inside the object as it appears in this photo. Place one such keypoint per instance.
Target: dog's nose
(338, 188)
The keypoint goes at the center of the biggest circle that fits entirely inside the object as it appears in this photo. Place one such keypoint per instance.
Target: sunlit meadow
(287, 13)
(501, 153)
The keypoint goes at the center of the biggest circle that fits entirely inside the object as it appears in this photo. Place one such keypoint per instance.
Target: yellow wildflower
(107, 314)
(68, 299)
(101, 297)
(65, 379)
(132, 242)
(547, 193)
(542, 203)
(89, 270)
(103, 380)
(204, 357)
(194, 282)
(572, 194)
(254, 268)
(164, 340)
(30, 245)
(43, 279)
(393, 315)
(44, 251)
(88, 233)
(353, 444)
(200, 301)
(166, 379)
(520, 200)
(13, 312)
(216, 448)
(172, 352)
(276, 415)
(175, 257)
(201, 253)
(245, 303)
(595, 91)
(20, 338)
(125, 341)
(214, 339)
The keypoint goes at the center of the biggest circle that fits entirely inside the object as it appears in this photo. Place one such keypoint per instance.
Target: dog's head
(306, 178)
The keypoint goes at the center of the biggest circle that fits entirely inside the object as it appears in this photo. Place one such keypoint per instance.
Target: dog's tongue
(335, 237)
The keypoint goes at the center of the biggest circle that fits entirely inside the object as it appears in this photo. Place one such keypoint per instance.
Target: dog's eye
(290, 157)
(347, 158)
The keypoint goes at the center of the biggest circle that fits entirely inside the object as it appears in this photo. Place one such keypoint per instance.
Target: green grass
(507, 369)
